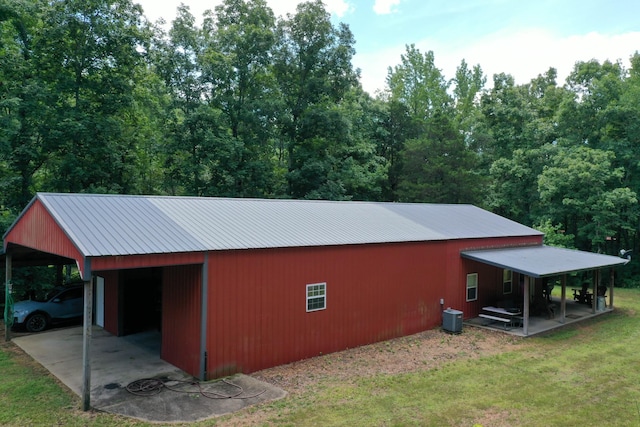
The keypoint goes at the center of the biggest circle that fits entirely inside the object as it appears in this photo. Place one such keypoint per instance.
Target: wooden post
(563, 299)
(7, 296)
(86, 344)
(525, 308)
(594, 293)
(611, 288)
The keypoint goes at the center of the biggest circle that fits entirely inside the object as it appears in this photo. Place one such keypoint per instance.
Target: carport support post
(7, 294)
(86, 344)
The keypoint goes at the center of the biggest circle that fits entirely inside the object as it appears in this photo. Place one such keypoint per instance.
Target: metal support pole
(203, 317)
(525, 308)
(8, 298)
(86, 345)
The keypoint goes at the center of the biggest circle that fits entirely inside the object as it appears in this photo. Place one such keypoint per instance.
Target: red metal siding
(257, 301)
(110, 301)
(38, 230)
(489, 278)
(145, 261)
(181, 305)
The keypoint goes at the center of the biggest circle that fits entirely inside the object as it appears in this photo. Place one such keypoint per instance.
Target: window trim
(505, 282)
(322, 297)
(474, 287)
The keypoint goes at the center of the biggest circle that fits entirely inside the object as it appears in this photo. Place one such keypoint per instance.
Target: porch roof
(543, 261)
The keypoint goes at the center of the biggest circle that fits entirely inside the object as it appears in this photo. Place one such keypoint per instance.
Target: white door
(99, 307)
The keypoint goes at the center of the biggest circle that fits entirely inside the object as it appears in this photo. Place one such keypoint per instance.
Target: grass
(584, 375)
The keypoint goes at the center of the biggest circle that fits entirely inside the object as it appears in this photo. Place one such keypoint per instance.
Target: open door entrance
(140, 296)
(98, 305)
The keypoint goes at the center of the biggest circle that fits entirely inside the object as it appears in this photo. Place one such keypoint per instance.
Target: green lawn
(585, 375)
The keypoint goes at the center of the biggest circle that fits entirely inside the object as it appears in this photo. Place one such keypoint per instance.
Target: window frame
(506, 282)
(474, 286)
(316, 297)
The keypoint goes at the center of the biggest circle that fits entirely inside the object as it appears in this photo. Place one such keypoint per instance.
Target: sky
(523, 38)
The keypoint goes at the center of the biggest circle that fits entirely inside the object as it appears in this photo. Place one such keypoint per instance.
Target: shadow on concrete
(118, 362)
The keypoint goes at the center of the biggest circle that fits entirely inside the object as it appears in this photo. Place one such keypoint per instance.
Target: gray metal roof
(103, 225)
(543, 261)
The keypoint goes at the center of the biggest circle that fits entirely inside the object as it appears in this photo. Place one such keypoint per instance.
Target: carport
(125, 247)
(121, 361)
(546, 261)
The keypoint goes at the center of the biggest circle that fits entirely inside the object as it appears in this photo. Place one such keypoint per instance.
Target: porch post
(563, 299)
(8, 309)
(525, 308)
(613, 271)
(594, 287)
(86, 343)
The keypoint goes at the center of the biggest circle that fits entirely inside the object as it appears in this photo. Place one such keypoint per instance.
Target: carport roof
(543, 261)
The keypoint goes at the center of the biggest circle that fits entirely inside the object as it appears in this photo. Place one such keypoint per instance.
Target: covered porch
(574, 312)
(545, 268)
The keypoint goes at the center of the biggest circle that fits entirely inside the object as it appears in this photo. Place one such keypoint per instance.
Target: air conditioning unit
(452, 321)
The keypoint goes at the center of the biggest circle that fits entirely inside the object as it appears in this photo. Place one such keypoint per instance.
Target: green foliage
(554, 235)
(95, 99)
(582, 190)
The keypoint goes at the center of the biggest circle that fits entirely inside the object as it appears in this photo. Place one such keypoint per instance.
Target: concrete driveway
(117, 362)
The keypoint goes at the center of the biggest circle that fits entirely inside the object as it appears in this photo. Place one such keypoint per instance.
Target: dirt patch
(420, 352)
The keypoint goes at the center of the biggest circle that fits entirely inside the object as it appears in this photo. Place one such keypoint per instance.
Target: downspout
(204, 293)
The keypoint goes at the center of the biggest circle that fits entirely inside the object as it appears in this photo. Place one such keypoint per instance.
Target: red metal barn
(238, 285)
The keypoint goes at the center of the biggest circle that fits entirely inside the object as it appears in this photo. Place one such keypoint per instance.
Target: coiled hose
(8, 306)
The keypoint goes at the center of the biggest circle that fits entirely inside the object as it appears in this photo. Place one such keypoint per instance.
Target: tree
(312, 64)
(236, 68)
(438, 167)
(88, 53)
(21, 146)
(467, 87)
(513, 188)
(419, 85)
(582, 190)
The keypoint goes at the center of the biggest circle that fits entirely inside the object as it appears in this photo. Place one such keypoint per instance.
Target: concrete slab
(116, 362)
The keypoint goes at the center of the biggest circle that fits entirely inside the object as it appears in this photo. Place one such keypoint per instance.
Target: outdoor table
(511, 315)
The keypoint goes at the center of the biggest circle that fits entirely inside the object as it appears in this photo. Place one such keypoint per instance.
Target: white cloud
(338, 7)
(374, 66)
(524, 54)
(385, 7)
(527, 53)
(154, 9)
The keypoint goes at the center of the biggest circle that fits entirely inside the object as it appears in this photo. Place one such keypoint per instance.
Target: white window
(316, 297)
(472, 287)
(507, 281)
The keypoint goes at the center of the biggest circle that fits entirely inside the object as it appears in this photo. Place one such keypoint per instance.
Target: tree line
(94, 98)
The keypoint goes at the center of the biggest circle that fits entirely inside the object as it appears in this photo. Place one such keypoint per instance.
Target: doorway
(140, 299)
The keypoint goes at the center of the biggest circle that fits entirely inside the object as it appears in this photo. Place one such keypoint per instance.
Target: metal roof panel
(543, 261)
(103, 225)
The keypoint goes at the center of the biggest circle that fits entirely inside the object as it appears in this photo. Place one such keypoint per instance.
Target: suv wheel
(36, 322)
